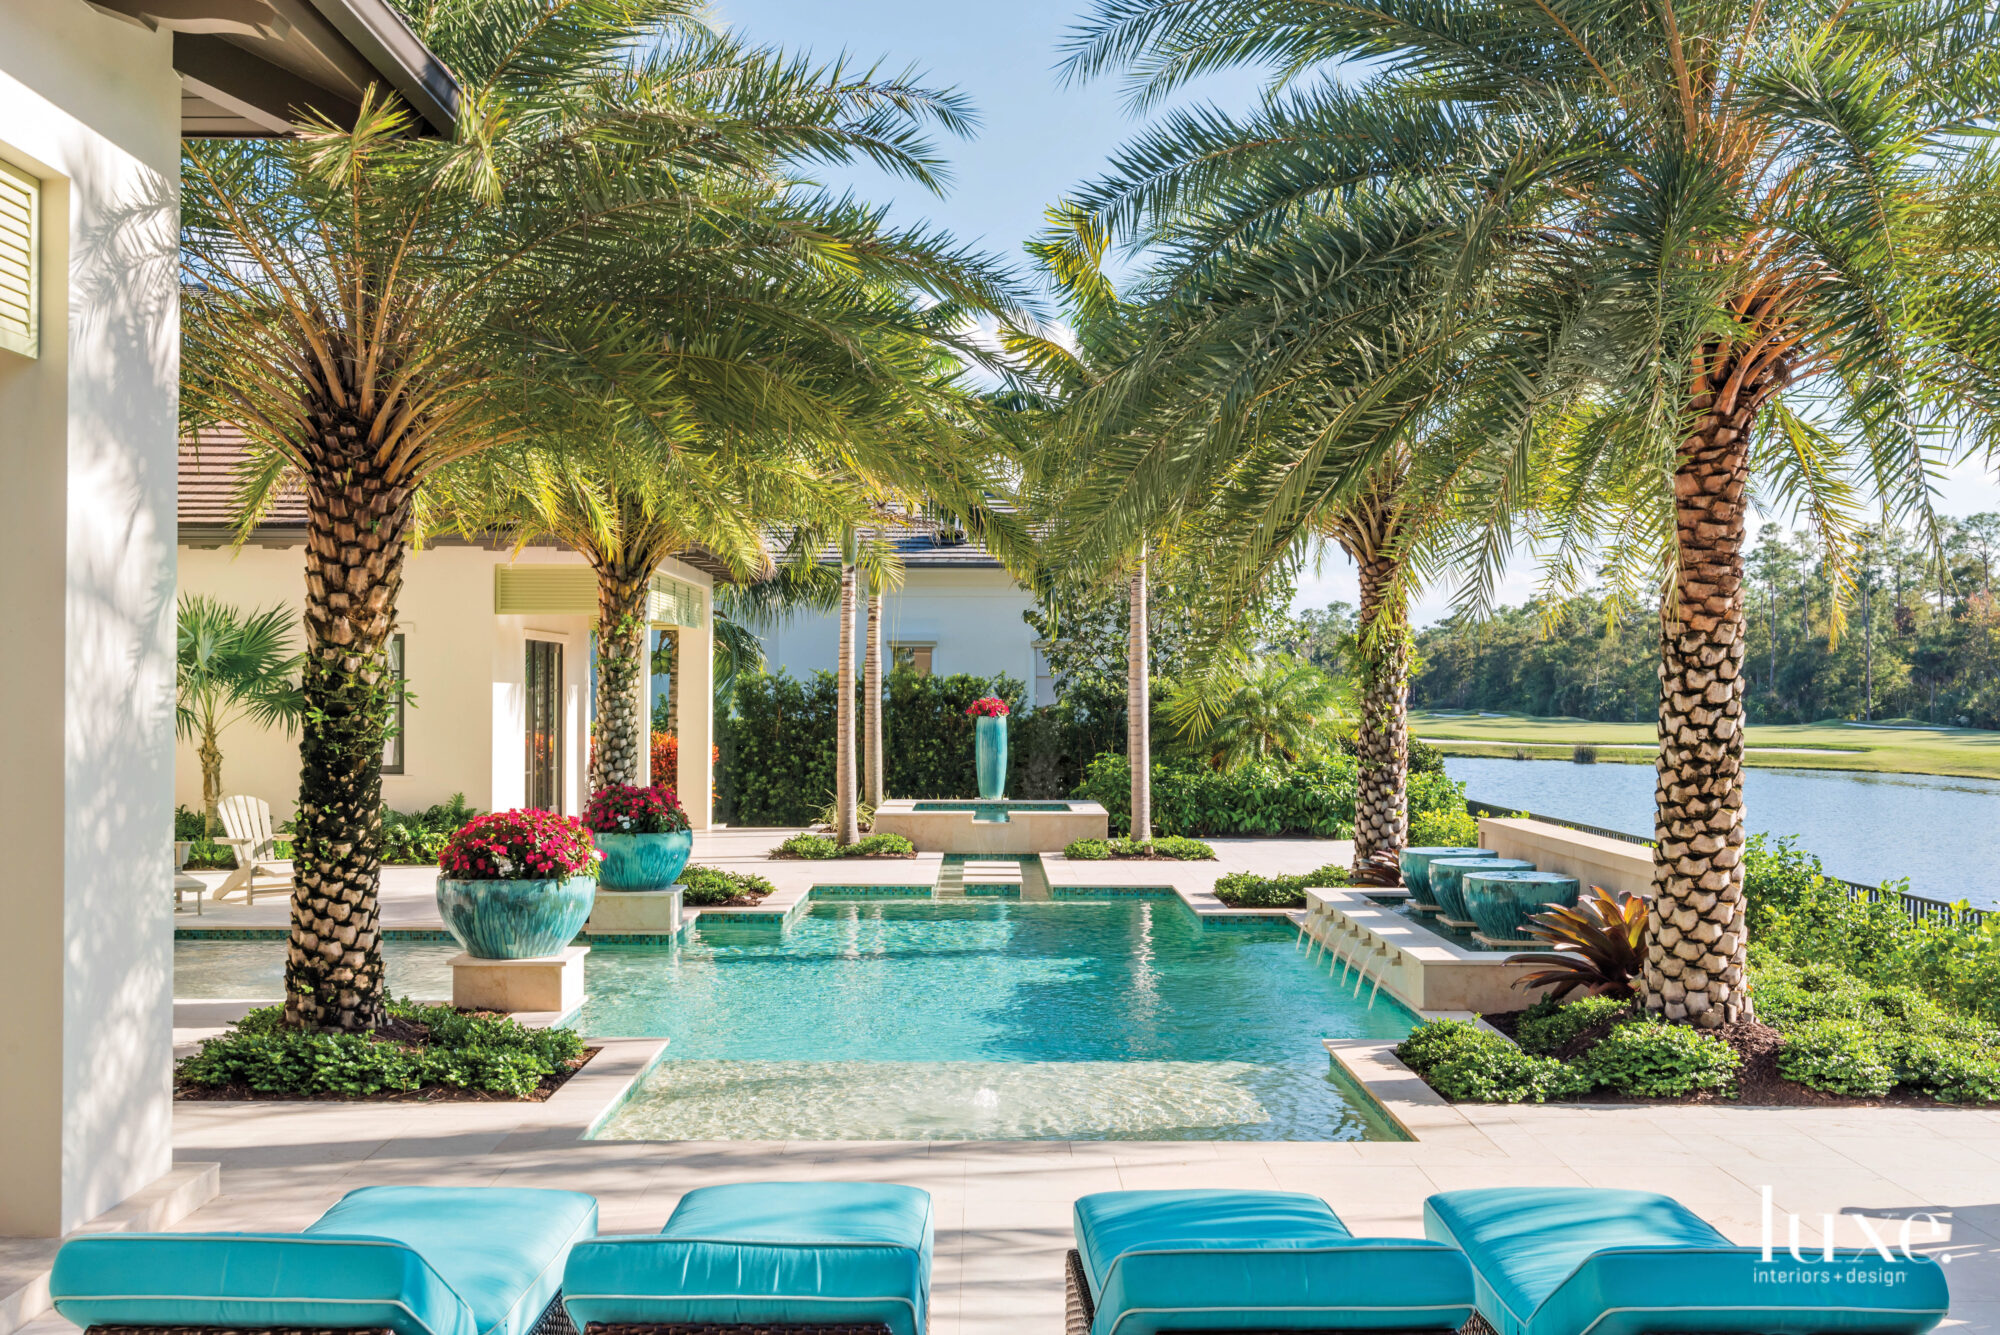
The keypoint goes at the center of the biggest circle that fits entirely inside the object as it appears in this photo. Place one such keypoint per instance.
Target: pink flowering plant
(525, 845)
(620, 808)
(990, 706)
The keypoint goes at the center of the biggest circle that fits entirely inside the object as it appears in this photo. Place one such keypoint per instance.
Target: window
(392, 744)
(20, 200)
(911, 658)
(545, 739)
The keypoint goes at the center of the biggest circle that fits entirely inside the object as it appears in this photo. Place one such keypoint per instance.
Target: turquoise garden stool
(1151, 1262)
(1500, 902)
(409, 1260)
(805, 1258)
(1590, 1261)
(1416, 867)
(1447, 875)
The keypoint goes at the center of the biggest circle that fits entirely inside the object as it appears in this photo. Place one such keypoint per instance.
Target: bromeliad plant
(1597, 945)
(621, 808)
(990, 706)
(522, 845)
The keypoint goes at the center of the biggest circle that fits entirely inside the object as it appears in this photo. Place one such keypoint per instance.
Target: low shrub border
(1247, 890)
(427, 1053)
(1172, 848)
(1824, 1037)
(818, 847)
(712, 887)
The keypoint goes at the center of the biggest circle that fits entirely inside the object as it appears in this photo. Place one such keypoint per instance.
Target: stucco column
(89, 109)
(694, 692)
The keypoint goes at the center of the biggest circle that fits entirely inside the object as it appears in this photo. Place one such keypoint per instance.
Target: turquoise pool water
(901, 1019)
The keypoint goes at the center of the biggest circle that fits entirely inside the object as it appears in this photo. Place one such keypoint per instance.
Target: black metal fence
(1920, 907)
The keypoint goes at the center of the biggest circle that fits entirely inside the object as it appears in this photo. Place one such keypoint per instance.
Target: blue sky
(1037, 139)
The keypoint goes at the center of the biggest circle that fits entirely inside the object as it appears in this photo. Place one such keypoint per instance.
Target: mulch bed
(1758, 1083)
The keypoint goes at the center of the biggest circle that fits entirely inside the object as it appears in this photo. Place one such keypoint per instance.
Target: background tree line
(1896, 629)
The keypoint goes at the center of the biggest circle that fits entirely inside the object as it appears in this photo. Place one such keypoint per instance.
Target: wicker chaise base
(1081, 1312)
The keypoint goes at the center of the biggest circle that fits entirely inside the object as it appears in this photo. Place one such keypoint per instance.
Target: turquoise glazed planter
(989, 756)
(1501, 901)
(1416, 865)
(1446, 884)
(643, 861)
(515, 920)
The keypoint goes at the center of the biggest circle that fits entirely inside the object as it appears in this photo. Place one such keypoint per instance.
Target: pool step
(1009, 878)
(991, 877)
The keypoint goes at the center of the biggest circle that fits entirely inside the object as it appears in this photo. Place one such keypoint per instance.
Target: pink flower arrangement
(620, 808)
(990, 706)
(525, 845)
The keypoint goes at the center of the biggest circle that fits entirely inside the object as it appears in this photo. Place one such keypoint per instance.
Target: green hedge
(1797, 913)
(1315, 798)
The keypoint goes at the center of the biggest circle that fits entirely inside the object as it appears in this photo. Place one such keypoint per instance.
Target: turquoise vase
(643, 861)
(1501, 901)
(989, 756)
(515, 920)
(1416, 866)
(1447, 885)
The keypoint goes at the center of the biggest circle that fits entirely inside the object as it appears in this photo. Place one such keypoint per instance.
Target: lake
(1939, 832)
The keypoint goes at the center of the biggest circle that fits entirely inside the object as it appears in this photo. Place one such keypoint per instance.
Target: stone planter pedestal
(641, 912)
(551, 983)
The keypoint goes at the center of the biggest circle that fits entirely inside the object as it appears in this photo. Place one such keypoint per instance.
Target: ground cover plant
(419, 837)
(817, 847)
(1169, 848)
(712, 887)
(431, 1052)
(1247, 890)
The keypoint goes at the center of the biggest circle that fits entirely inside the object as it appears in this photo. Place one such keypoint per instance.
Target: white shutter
(675, 602)
(20, 208)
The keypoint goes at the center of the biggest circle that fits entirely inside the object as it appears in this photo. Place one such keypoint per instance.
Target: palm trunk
(211, 781)
(621, 740)
(1695, 937)
(1382, 743)
(1139, 706)
(871, 687)
(847, 826)
(357, 527)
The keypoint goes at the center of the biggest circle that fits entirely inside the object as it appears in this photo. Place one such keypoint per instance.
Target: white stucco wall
(465, 731)
(973, 617)
(91, 108)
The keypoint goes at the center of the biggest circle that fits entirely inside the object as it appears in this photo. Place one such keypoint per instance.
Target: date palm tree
(369, 307)
(230, 667)
(1719, 245)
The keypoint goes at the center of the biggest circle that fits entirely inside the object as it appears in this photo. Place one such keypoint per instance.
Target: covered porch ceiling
(257, 67)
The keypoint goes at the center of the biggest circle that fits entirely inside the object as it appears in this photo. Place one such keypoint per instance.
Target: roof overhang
(258, 67)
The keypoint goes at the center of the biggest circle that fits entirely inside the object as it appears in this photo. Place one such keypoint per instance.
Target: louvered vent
(544, 590)
(20, 204)
(675, 602)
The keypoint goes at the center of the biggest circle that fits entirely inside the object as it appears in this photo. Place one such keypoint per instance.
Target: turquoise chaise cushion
(1589, 1261)
(1257, 1260)
(418, 1260)
(774, 1252)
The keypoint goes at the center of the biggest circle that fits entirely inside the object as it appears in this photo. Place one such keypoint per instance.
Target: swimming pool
(901, 1018)
(913, 1019)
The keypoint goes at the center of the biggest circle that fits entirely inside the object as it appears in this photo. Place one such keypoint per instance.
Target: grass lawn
(1894, 746)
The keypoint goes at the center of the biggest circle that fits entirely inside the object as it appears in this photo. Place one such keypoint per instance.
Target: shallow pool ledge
(1419, 1111)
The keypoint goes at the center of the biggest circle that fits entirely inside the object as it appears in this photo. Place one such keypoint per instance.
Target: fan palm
(230, 667)
(1285, 710)
(370, 307)
(1709, 245)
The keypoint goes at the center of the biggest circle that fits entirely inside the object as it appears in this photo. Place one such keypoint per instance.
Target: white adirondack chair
(246, 823)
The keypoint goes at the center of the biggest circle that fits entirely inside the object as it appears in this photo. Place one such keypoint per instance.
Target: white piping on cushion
(563, 1254)
(1240, 1307)
(1767, 1307)
(1345, 1248)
